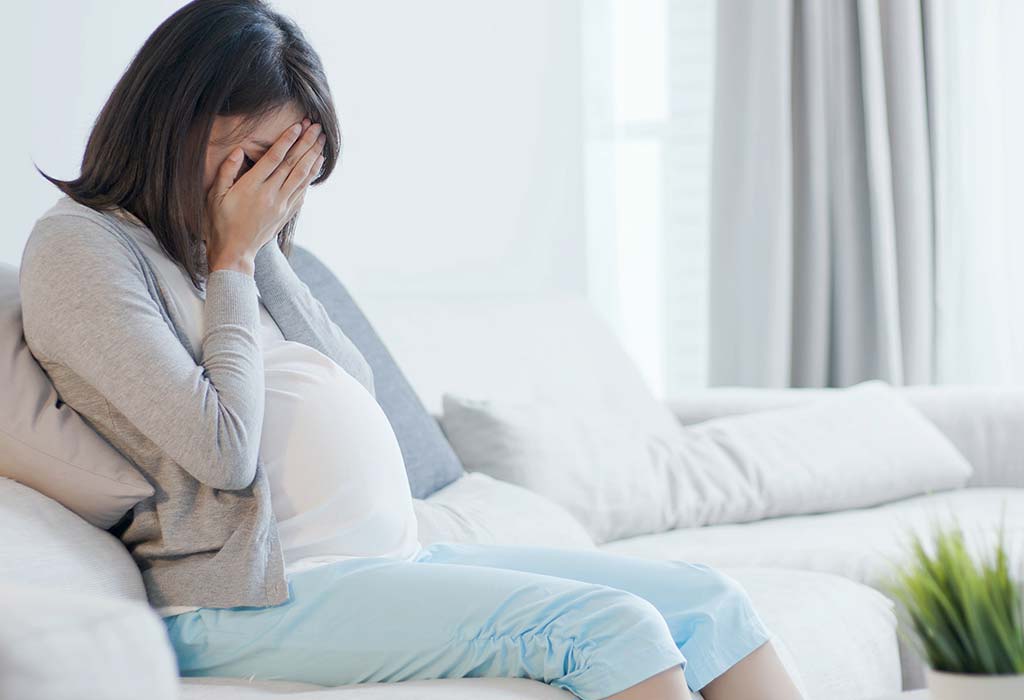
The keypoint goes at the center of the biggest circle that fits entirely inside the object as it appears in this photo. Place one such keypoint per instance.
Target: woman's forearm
(89, 317)
(302, 317)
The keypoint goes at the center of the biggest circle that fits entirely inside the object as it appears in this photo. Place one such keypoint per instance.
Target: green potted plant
(964, 616)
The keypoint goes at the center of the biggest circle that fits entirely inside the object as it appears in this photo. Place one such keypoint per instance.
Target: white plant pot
(970, 686)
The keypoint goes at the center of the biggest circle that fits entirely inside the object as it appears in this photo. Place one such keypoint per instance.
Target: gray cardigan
(96, 318)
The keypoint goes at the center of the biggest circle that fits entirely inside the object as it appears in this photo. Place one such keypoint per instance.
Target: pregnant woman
(281, 540)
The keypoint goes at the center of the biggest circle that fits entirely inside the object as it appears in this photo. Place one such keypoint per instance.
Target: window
(648, 74)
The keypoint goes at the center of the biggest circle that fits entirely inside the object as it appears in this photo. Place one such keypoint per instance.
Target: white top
(337, 479)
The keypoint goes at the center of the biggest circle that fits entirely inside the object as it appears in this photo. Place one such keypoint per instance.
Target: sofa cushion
(621, 474)
(480, 510)
(861, 545)
(857, 447)
(69, 646)
(603, 465)
(429, 459)
(981, 421)
(44, 544)
(838, 638)
(47, 445)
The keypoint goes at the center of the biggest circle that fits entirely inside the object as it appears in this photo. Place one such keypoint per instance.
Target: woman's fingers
(295, 202)
(268, 163)
(226, 173)
(296, 153)
(302, 169)
(301, 190)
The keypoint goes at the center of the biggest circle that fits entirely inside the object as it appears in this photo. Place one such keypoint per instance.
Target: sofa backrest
(983, 422)
(509, 349)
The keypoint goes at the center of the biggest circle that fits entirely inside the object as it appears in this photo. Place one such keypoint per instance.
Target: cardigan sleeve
(87, 307)
(302, 317)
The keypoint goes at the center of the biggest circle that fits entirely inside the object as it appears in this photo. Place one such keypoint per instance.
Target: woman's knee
(716, 589)
(617, 640)
(624, 613)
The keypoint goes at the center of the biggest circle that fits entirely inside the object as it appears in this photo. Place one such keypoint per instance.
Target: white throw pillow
(478, 509)
(56, 645)
(620, 477)
(53, 449)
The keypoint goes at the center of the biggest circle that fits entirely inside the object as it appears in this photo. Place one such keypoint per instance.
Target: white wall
(462, 169)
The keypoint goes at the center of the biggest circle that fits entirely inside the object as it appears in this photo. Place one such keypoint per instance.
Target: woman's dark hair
(147, 149)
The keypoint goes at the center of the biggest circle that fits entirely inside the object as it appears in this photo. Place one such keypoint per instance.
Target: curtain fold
(822, 233)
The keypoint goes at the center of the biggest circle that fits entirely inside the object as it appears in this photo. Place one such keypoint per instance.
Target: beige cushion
(51, 448)
(71, 646)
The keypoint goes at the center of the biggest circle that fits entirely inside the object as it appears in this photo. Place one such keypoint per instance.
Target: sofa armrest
(57, 644)
(985, 423)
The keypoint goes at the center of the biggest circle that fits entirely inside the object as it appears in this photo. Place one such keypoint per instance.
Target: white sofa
(812, 578)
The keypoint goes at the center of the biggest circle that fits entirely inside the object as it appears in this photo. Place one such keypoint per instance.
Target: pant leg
(709, 615)
(385, 620)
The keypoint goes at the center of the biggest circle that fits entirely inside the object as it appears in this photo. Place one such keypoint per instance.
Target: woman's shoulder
(73, 248)
(67, 210)
(70, 232)
(76, 263)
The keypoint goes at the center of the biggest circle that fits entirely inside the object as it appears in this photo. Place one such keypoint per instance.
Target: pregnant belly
(337, 478)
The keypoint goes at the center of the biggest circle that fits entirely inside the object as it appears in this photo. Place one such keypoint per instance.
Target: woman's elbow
(236, 445)
(235, 478)
(232, 474)
(240, 472)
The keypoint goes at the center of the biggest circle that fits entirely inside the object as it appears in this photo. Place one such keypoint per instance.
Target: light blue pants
(590, 622)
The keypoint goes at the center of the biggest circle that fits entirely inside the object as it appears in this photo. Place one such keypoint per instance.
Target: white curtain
(648, 70)
(978, 143)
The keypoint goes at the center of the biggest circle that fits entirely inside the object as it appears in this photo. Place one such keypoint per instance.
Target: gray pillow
(45, 444)
(430, 461)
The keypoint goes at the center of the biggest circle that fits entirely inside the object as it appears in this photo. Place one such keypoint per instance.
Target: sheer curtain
(648, 70)
(977, 55)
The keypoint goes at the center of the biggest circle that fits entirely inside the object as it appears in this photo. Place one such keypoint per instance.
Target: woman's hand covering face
(246, 211)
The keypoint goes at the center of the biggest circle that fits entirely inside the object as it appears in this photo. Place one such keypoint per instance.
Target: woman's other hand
(246, 213)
